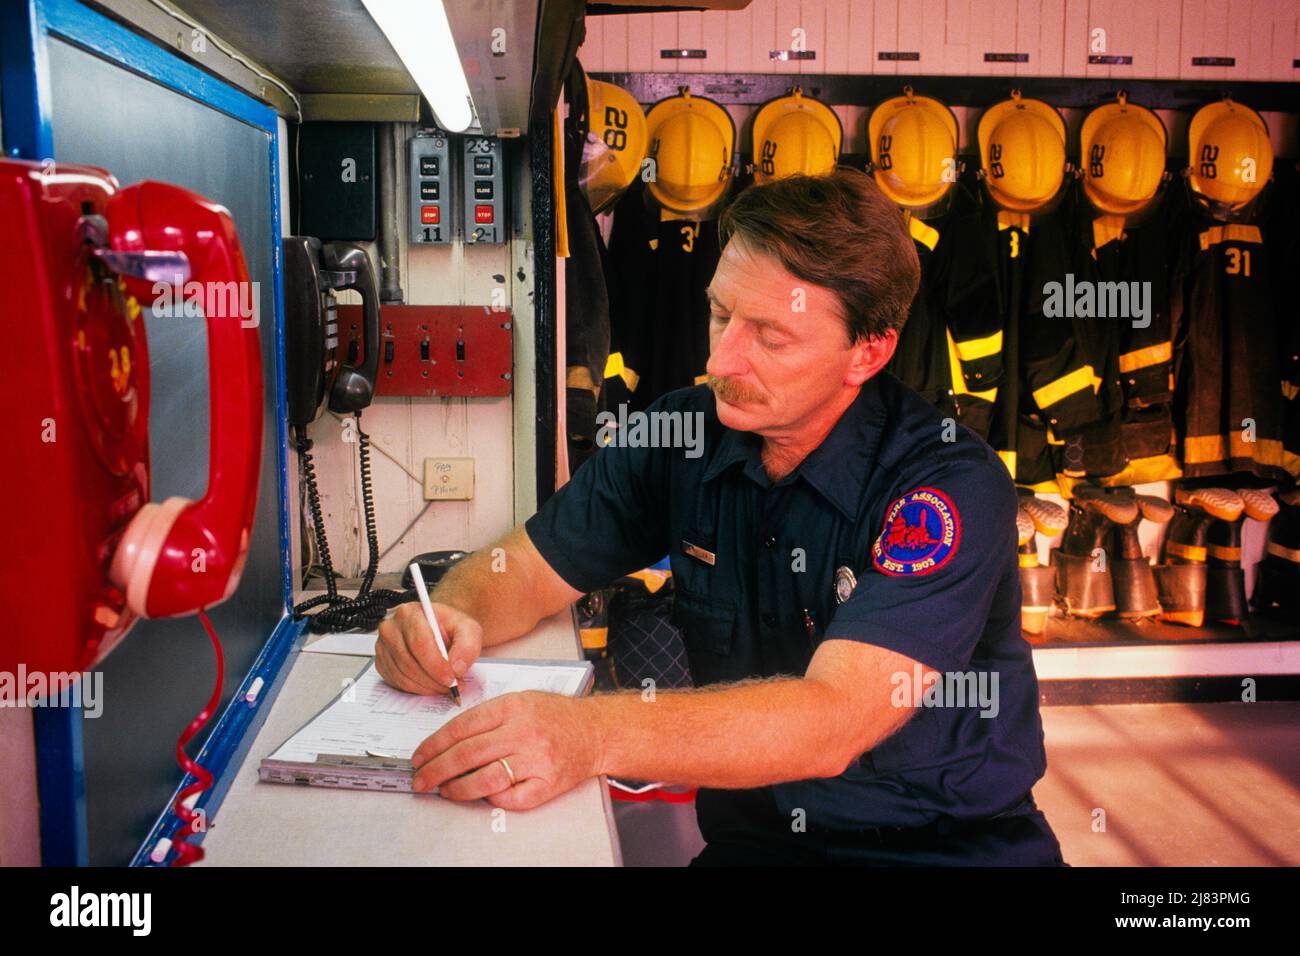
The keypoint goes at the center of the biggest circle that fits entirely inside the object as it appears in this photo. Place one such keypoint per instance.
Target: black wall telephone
(312, 272)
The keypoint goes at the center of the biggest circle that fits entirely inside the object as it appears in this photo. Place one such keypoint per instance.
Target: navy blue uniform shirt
(925, 525)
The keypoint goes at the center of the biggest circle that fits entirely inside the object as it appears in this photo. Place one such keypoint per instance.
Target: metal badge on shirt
(845, 582)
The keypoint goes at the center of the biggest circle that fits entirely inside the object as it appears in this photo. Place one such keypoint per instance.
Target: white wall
(405, 431)
(952, 37)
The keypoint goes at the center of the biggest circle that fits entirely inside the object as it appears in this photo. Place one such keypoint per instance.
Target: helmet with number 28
(913, 142)
(615, 146)
(1231, 158)
(795, 134)
(1022, 154)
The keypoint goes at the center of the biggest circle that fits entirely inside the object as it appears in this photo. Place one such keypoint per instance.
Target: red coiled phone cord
(186, 852)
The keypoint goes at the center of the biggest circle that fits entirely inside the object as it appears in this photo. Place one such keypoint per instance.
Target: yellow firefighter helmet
(1231, 157)
(615, 146)
(913, 142)
(795, 134)
(1122, 148)
(691, 142)
(1022, 153)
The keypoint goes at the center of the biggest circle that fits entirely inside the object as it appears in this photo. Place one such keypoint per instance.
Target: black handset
(310, 329)
(312, 272)
(354, 386)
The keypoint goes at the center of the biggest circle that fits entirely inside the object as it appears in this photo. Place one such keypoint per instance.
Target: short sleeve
(937, 564)
(611, 517)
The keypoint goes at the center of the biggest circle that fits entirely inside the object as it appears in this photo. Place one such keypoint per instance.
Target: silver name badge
(845, 582)
(695, 551)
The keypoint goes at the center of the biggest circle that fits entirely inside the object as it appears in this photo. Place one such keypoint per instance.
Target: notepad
(370, 719)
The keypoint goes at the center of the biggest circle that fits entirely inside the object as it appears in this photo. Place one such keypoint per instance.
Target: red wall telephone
(91, 551)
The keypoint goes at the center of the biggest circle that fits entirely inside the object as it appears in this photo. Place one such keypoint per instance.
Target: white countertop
(272, 824)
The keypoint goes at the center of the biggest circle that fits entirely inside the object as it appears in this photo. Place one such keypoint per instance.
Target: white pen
(418, 578)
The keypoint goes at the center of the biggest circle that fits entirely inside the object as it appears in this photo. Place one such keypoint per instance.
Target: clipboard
(363, 738)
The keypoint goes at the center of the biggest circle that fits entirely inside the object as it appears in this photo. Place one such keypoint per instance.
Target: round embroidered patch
(920, 534)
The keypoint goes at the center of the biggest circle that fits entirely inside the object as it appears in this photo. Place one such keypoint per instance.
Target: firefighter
(833, 556)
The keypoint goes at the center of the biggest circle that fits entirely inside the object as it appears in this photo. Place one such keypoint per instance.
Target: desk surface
(273, 824)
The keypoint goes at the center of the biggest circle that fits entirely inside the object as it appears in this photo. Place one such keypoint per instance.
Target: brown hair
(839, 232)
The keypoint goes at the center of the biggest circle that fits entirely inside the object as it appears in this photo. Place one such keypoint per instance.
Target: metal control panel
(484, 208)
(431, 179)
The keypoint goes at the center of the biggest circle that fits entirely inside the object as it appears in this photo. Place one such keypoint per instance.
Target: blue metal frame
(231, 739)
(25, 28)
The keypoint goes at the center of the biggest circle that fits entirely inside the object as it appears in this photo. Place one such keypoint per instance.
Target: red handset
(179, 556)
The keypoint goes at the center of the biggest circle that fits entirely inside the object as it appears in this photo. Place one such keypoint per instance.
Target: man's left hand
(542, 736)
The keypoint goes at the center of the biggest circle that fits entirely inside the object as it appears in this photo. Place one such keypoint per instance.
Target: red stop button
(482, 213)
(429, 215)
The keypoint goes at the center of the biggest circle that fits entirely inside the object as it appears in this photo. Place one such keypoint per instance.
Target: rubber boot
(1277, 588)
(1083, 565)
(1037, 582)
(1130, 571)
(1225, 589)
(1182, 580)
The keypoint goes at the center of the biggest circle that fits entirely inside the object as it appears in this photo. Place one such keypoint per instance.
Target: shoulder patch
(920, 535)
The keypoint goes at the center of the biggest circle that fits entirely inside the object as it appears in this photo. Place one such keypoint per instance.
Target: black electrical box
(337, 181)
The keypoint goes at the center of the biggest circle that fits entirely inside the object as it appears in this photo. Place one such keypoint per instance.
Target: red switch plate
(429, 215)
(482, 214)
(470, 349)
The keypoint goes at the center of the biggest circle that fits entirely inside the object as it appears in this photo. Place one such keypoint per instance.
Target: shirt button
(769, 619)
(769, 542)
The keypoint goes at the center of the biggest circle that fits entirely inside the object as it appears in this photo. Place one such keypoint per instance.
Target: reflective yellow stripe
(1009, 459)
(1144, 358)
(927, 236)
(1066, 385)
(594, 638)
(1185, 551)
(973, 349)
(1029, 560)
(652, 578)
(1224, 553)
(579, 376)
(614, 368)
(701, 379)
(1286, 554)
(1013, 220)
(1142, 470)
(1231, 232)
(1106, 229)
(1201, 449)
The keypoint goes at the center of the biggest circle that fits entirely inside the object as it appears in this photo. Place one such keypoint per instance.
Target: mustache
(730, 391)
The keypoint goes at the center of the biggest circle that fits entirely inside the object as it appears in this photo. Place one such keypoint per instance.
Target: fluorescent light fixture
(421, 35)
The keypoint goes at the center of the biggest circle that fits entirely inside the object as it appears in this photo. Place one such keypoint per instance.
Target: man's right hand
(407, 655)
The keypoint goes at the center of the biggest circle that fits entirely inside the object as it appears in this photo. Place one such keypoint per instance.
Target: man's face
(778, 346)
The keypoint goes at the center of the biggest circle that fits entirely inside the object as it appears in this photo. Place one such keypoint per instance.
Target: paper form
(372, 716)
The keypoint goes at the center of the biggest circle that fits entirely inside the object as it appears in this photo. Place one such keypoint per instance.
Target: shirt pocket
(708, 624)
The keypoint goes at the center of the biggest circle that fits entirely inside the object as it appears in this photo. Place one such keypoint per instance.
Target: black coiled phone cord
(368, 608)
